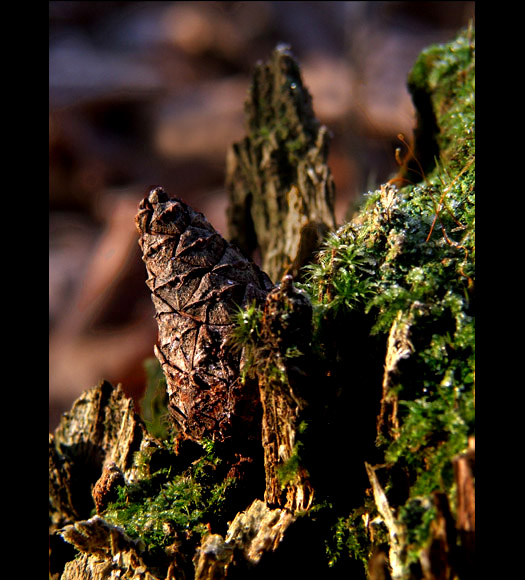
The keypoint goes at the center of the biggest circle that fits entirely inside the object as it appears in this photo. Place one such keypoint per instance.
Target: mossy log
(322, 426)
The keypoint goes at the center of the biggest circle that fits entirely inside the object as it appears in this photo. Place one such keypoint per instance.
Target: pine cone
(197, 279)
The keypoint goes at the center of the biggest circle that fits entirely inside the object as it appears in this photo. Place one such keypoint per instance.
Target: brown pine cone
(197, 279)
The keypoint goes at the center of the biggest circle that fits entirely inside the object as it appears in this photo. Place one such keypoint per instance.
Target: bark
(283, 383)
(281, 189)
(90, 453)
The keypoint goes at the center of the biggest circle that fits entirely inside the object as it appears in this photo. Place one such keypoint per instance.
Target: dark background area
(152, 93)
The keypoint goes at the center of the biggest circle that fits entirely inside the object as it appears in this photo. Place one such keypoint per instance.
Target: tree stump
(289, 377)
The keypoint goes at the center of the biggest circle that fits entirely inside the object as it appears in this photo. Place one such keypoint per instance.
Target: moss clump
(406, 267)
(166, 510)
(246, 336)
(442, 83)
(350, 537)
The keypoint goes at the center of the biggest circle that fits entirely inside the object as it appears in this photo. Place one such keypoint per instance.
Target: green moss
(406, 266)
(287, 471)
(416, 516)
(349, 537)
(184, 503)
(442, 83)
(246, 335)
(154, 404)
(247, 326)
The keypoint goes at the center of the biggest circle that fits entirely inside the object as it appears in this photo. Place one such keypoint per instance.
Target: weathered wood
(396, 531)
(106, 552)
(281, 189)
(283, 383)
(464, 471)
(91, 451)
(101, 430)
(252, 534)
(450, 552)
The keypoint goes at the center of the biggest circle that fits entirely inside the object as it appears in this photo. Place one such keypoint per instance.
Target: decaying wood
(283, 385)
(101, 431)
(96, 536)
(281, 189)
(197, 280)
(90, 452)
(396, 531)
(437, 560)
(252, 533)
(399, 347)
(106, 552)
(125, 565)
(450, 553)
(464, 470)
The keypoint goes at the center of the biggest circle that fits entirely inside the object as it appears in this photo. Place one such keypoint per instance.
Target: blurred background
(152, 93)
